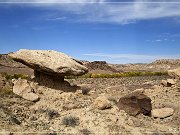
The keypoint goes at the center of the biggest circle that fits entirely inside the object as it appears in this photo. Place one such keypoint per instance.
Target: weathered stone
(23, 89)
(162, 113)
(102, 103)
(50, 62)
(135, 103)
(175, 73)
(171, 81)
(168, 82)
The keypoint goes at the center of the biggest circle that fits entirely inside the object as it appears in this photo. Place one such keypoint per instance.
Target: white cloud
(158, 40)
(130, 58)
(56, 18)
(103, 12)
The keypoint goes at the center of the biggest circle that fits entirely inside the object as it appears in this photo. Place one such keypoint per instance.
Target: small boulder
(102, 103)
(135, 103)
(168, 82)
(175, 73)
(162, 113)
(171, 81)
(23, 89)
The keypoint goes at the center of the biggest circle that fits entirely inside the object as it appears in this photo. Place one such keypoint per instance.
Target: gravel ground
(59, 112)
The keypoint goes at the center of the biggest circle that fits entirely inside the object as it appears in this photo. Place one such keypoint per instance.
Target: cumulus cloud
(105, 11)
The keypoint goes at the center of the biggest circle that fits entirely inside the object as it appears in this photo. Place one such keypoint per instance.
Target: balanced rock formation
(50, 62)
(49, 66)
(135, 103)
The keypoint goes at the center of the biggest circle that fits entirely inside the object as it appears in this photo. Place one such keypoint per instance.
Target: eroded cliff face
(100, 67)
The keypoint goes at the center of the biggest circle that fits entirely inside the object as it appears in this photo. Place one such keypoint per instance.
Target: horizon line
(87, 2)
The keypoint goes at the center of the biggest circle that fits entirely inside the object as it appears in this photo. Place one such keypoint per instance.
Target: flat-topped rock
(49, 62)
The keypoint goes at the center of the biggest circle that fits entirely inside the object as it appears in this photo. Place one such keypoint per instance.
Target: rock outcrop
(135, 103)
(49, 66)
(100, 67)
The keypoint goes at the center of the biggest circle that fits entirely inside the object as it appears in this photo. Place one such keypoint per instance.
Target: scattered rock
(139, 90)
(23, 89)
(162, 113)
(171, 81)
(102, 103)
(175, 73)
(168, 82)
(135, 103)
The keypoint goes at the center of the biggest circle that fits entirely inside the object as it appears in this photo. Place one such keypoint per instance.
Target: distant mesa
(100, 67)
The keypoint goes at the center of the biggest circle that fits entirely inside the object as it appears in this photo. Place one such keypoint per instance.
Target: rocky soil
(46, 103)
(61, 112)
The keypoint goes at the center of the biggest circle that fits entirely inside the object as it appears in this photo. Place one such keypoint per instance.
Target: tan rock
(50, 62)
(175, 73)
(162, 113)
(102, 103)
(171, 81)
(168, 82)
(23, 89)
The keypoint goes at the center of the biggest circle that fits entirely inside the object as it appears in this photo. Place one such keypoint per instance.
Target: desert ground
(89, 105)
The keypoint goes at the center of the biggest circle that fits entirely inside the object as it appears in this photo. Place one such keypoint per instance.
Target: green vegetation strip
(118, 75)
(14, 76)
(90, 75)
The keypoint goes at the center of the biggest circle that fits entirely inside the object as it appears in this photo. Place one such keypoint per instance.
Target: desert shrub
(14, 76)
(70, 121)
(13, 119)
(85, 90)
(50, 113)
(85, 131)
(112, 99)
(6, 90)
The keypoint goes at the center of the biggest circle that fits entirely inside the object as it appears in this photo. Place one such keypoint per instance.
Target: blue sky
(131, 32)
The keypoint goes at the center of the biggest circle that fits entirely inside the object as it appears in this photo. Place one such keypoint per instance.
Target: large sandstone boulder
(175, 73)
(135, 103)
(49, 62)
